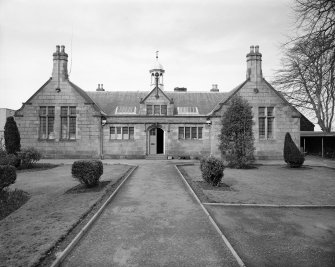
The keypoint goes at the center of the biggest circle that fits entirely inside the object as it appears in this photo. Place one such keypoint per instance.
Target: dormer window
(187, 111)
(125, 110)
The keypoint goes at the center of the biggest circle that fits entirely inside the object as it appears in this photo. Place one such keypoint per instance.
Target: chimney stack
(100, 88)
(215, 88)
(254, 64)
(59, 71)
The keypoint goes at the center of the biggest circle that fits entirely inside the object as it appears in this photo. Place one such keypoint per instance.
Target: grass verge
(11, 200)
(29, 234)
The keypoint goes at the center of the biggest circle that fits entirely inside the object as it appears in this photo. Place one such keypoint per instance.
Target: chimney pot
(251, 49)
(102, 86)
(63, 48)
(214, 88)
(57, 48)
(257, 49)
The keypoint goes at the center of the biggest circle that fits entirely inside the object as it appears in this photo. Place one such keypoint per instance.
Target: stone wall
(286, 120)
(87, 143)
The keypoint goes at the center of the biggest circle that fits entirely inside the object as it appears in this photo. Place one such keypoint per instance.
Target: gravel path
(153, 221)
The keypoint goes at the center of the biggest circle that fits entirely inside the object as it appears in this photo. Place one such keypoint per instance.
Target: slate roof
(204, 101)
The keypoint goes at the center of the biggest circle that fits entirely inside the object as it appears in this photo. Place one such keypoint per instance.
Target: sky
(113, 42)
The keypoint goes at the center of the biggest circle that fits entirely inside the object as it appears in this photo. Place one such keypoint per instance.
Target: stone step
(156, 156)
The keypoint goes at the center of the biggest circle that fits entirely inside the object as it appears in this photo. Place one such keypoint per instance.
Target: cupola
(156, 74)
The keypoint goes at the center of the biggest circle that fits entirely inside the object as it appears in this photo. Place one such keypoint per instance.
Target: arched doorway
(156, 141)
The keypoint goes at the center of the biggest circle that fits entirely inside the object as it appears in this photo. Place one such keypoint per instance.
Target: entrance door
(153, 141)
(156, 141)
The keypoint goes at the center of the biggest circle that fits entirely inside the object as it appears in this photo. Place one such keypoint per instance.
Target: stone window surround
(69, 118)
(122, 134)
(192, 131)
(156, 110)
(48, 115)
(268, 115)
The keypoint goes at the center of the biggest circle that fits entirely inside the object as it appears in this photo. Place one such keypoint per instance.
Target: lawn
(271, 185)
(32, 230)
(264, 236)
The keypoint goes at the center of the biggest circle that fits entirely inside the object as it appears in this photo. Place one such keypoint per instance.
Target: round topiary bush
(292, 155)
(29, 156)
(7, 176)
(87, 172)
(212, 170)
(9, 159)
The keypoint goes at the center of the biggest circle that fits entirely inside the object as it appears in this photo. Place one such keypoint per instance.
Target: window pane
(51, 121)
(43, 110)
(131, 132)
(63, 111)
(187, 133)
(199, 132)
(194, 133)
(261, 111)
(262, 128)
(157, 110)
(118, 133)
(149, 109)
(181, 133)
(163, 109)
(72, 128)
(270, 111)
(153, 132)
(72, 110)
(43, 127)
(125, 133)
(112, 133)
(51, 111)
(270, 128)
(64, 129)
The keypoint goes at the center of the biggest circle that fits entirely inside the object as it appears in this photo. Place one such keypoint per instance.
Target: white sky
(201, 42)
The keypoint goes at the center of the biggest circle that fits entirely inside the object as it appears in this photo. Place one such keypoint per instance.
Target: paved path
(153, 221)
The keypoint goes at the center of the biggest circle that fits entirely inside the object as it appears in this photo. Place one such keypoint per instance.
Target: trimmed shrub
(12, 136)
(7, 176)
(9, 159)
(212, 170)
(292, 155)
(87, 172)
(29, 156)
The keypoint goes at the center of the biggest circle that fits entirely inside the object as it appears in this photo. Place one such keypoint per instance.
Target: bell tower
(156, 74)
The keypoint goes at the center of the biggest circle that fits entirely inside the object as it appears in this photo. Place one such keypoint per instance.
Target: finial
(157, 55)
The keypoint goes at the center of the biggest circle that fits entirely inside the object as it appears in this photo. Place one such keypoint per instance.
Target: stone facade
(128, 124)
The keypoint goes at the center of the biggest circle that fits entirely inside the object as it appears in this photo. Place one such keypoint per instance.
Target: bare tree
(307, 74)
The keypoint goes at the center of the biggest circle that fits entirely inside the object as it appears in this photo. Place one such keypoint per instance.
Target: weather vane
(157, 54)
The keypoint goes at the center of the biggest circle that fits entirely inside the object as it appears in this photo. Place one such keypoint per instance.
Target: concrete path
(153, 221)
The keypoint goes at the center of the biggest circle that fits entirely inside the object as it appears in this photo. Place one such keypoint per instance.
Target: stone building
(62, 120)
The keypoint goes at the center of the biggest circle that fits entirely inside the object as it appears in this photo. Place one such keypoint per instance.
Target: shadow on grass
(80, 188)
(11, 200)
(37, 167)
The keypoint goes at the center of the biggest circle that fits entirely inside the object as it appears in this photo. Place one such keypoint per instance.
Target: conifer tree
(292, 155)
(236, 140)
(12, 136)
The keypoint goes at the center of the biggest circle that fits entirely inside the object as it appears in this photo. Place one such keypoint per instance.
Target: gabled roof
(156, 90)
(229, 95)
(109, 100)
(30, 98)
(87, 98)
(75, 87)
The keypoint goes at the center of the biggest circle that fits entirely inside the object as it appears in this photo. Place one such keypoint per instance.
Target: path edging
(62, 255)
(224, 238)
(269, 205)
